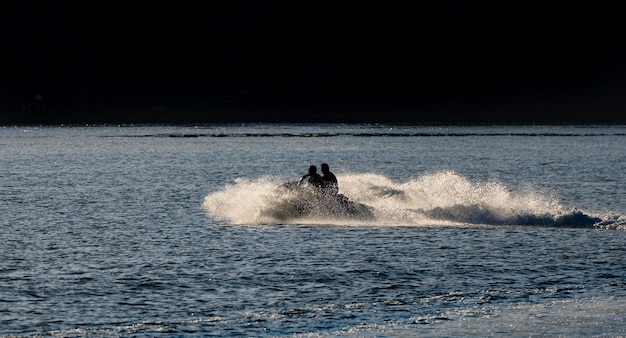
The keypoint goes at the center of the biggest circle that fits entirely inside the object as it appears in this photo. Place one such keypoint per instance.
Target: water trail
(440, 198)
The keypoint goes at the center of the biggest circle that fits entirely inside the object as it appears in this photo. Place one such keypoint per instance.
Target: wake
(442, 198)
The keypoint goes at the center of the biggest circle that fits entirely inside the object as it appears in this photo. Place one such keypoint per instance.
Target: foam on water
(439, 198)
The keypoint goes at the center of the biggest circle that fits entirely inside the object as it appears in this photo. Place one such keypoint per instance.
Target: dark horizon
(239, 61)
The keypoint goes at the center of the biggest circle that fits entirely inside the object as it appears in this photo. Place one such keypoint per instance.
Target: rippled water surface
(157, 230)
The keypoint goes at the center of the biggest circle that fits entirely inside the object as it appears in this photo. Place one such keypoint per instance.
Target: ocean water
(181, 231)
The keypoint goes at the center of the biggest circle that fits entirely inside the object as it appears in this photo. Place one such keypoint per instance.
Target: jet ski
(297, 200)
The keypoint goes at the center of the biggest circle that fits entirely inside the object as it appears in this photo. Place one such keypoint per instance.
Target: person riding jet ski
(329, 180)
(312, 178)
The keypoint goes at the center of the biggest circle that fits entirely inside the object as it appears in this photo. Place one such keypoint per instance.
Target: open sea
(180, 231)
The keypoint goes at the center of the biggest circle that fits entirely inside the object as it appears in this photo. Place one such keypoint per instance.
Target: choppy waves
(442, 198)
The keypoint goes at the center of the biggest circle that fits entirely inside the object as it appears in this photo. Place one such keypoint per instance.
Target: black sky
(232, 61)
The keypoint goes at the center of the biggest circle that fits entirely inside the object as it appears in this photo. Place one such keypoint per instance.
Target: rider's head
(325, 168)
(312, 170)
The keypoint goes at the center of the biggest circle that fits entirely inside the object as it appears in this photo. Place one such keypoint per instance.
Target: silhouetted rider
(329, 180)
(313, 178)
